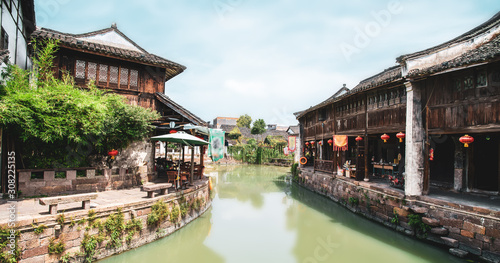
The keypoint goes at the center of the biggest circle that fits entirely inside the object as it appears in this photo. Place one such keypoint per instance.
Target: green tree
(59, 125)
(244, 121)
(259, 127)
(235, 133)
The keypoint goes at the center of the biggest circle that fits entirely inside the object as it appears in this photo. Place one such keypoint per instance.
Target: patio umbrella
(182, 138)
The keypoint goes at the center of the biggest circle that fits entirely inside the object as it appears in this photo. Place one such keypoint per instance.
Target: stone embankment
(465, 230)
(133, 220)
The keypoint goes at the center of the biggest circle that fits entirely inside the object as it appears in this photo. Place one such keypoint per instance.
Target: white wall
(12, 23)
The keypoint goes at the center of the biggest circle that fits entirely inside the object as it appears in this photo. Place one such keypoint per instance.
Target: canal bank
(117, 221)
(258, 215)
(465, 229)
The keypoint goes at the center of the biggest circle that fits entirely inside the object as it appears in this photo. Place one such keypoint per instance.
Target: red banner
(292, 142)
(340, 143)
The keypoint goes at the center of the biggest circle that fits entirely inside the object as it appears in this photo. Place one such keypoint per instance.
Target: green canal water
(256, 217)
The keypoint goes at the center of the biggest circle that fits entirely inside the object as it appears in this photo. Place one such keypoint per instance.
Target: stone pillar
(414, 161)
(458, 166)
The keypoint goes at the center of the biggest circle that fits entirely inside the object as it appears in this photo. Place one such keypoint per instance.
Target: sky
(270, 59)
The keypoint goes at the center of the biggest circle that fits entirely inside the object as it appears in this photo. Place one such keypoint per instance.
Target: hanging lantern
(401, 136)
(466, 139)
(113, 153)
(431, 154)
(385, 137)
(312, 143)
(307, 143)
(172, 131)
(359, 138)
(330, 141)
(320, 143)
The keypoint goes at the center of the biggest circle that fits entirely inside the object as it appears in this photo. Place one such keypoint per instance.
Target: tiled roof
(76, 41)
(179, 109)
(387, 76)
(487, 52)
(481, 29)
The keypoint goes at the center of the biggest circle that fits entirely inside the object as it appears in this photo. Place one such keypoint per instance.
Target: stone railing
(34, 182)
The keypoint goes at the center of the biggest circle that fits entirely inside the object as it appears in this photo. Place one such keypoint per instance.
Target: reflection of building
(433, 97)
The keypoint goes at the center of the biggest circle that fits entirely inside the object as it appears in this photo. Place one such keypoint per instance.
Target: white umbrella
(182, 138)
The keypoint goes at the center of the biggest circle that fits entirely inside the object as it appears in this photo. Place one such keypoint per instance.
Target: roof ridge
(179, 107)
(73, 41)
(113, 28)
(490, 23)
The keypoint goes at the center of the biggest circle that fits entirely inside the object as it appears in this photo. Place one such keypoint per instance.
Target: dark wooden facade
(114, 62)
(464, 102)
(137, 82)
(374, 107)
(453, 90)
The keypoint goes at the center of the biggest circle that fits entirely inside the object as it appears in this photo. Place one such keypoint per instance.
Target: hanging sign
(285, 151)
(292, 142)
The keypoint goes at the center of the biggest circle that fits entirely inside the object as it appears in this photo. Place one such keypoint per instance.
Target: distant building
(224, 121)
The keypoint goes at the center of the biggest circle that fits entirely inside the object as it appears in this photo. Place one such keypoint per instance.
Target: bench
(155, 187)
(52, 202)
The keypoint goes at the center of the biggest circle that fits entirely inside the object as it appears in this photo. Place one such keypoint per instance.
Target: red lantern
(431, 154)
(359, 138)
(320, 143)
(312, 143)
(330, 141)
(307, 143)
(385, 137)
(113, 153)
(172, 131)
(466, 139)
(401, 136)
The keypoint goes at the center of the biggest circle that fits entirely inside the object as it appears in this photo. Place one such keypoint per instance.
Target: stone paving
(30, 208)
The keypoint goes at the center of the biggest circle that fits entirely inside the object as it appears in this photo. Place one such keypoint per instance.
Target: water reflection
(257, 217)
(327, 232)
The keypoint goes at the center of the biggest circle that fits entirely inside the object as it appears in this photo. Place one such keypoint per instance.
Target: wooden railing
(323, 166)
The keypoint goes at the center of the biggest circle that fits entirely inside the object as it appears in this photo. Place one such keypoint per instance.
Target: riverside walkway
(30, 209)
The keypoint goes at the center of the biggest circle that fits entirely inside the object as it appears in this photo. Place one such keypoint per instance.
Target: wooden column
(426, 183)
(367, 145)
(192, 166)
(202, 154)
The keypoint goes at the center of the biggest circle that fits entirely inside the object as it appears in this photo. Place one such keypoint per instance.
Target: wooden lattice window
(134, 76)
(103, 73)
(124, 76)
(92, 70)
(113, 74)
(481, 79)
(80, 69)
(468, 82)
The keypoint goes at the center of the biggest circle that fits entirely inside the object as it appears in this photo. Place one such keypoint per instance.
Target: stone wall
(75, 226)
(465, 231)
(111, 179)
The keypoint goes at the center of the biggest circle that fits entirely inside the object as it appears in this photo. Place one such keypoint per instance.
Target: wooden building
(113, 61)
(434, 97)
